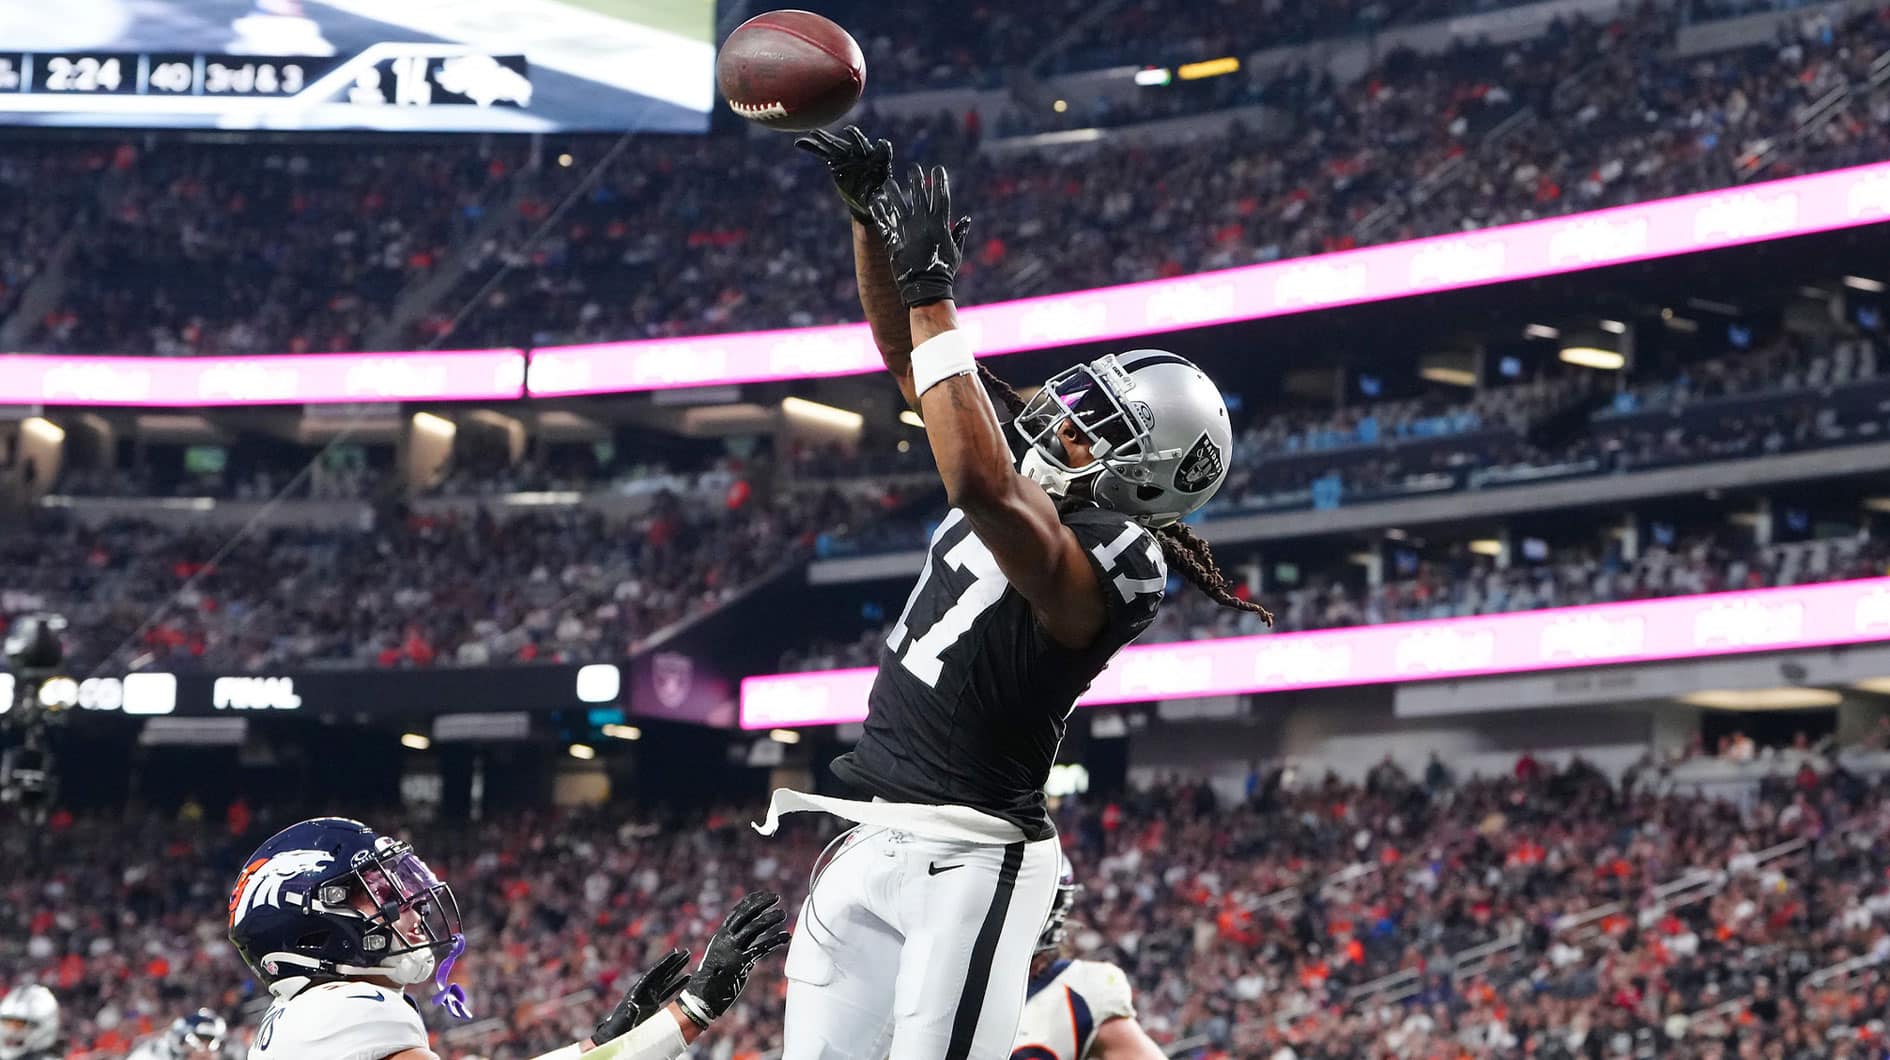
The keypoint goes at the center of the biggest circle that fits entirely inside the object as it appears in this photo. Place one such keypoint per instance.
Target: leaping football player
(916, 940)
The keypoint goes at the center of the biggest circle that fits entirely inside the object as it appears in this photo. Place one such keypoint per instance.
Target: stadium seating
(1548, 913)
(1590, 115)
(415, 590)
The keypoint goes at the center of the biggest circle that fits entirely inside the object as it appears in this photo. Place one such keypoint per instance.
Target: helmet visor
(410, 896)
(1088, 397)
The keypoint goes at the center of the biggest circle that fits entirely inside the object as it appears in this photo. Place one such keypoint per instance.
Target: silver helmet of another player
(29, 1022)
(1155, 424)
(1056, 925)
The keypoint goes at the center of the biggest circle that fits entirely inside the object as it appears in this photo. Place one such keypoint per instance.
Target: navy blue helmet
(1056, 925)
(329, 898)
(200, 1033)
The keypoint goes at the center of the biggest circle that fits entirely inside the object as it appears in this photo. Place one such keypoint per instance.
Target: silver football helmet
(29, 1022)
(1155, 424)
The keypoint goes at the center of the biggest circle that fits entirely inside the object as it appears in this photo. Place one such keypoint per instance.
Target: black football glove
(859, 166)
(652, 990)
(750, 933)
(925, 244)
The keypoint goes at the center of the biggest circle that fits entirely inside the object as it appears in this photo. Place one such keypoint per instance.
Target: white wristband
(939, 358)
(658, 1038)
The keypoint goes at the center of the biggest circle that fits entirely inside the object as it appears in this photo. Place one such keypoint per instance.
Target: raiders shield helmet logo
(1201, 468)
(672, 678)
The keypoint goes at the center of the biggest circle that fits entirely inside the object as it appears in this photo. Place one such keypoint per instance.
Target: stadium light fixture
(1487, 546)
(1594, 357)
(787, 736)
(1877, 504)
(1060, 105)
(911, 419)
(1614, 327)
(1438, 373)
(1541, 331)
(1208, 68)
(413, 741)
(826, 415)
(1154, 78)
(565, 160)
(599, 683)
(583, 752)
(1786, 697)
(1879, 686)
(44, 429)
(58, 693)
(623, 732)
(1864, 283)
(431, 424)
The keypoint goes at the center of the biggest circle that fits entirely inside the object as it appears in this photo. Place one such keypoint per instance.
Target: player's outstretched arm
(648, 1025)
(860, 167)
(1011, 515)
(1124, 1039)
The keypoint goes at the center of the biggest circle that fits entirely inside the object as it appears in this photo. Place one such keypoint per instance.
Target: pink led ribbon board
(286, 379)
(1686, 627)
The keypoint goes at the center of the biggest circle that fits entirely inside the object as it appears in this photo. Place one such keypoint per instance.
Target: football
(791, 70)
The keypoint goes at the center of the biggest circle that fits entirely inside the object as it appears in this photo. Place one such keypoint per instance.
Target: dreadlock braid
(1001, 392)
(1192, 556)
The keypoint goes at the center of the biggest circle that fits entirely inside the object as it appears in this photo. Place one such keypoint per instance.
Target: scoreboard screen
(411, 65)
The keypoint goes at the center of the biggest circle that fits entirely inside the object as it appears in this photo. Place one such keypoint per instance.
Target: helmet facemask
(1095, 399)
(409, 920)
(1155, 426)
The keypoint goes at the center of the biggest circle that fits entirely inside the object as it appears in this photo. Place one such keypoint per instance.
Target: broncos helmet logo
(260, 883)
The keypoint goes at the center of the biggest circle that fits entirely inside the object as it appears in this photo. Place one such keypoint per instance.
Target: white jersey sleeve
(339, 1021)
(1104, 987)
(150, 1049)
(1062, 1016)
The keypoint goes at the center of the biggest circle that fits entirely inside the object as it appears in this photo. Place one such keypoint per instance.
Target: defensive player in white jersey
(1077, 1010)
(29, 1024)
(197, 1035)
(339, 921)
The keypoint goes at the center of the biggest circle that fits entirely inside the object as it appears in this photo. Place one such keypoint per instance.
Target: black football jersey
(973, 693)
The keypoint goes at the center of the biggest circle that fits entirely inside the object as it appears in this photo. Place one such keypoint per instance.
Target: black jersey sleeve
(1129, 568)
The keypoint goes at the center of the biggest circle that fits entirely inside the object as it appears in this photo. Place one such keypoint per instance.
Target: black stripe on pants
(978, 975)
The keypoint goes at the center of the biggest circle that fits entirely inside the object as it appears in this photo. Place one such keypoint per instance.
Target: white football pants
(914, 948)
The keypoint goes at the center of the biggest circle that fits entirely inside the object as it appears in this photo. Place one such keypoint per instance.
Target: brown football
(790, 70)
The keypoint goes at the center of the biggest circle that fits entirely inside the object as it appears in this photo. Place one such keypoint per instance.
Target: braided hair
(1186, 551)
(1001, 392)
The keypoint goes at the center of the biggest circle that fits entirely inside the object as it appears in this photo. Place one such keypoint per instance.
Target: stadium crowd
(413, 589)
(204, 248)
(1248, 927)
(220, 248)
(1637, 124)
(443, 589)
